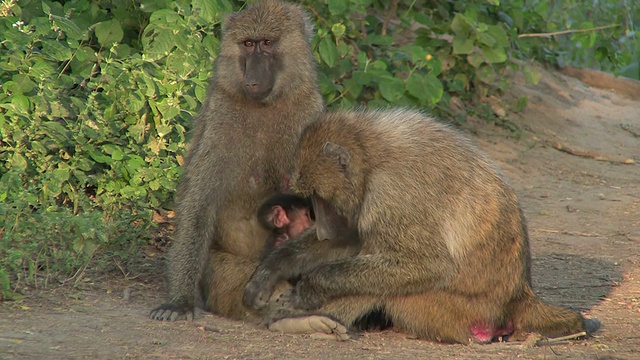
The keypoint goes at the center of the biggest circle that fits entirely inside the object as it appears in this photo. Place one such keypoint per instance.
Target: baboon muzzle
(259, 76)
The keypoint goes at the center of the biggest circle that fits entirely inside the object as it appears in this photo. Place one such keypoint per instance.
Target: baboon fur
(241, 151)
(444, 250)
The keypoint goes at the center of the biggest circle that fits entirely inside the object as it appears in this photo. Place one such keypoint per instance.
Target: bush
(96, 98)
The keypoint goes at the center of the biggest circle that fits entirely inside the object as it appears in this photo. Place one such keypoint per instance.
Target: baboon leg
(444, 317)
(334, 319)
(530, 314)
(223, 288)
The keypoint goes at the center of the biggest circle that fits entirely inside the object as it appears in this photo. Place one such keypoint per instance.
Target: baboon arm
(195, 228)
(294, 258)
(377, 275)
(305, 252)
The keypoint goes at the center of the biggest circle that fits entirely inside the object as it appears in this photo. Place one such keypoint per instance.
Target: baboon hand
(259, 289)
(173, 311)
(305, 297)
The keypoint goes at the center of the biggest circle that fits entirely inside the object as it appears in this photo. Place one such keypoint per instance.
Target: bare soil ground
(584, 220)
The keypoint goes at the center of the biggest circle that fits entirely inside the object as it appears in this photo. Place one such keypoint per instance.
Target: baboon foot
(591, 325)
(318, 326)
(173, 312)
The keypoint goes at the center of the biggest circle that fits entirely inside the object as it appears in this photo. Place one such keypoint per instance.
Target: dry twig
(572, 233)
(560, 339)
(567, 31)
(627, 128)
(589, 154)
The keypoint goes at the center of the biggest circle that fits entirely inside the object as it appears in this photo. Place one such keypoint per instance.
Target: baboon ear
(338, 153)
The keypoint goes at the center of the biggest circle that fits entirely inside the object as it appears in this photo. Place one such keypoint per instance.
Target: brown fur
(444, 244)
(240, 153)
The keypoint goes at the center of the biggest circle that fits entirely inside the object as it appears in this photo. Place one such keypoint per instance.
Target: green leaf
(61, 175)
(57, 131)
(24, 83)
(157, 43)
(338, 30)
(391, 88)
(21, 104)
(434, 88)
(462, 45)
(417, 87)
(352, 87)
(461, 26)
(109, 32)
(18, 162)
(486, 39)
(69, 27)
(117, 154)
(486, 74)
(135, 102)
(494, 55)
(426, 88)
(163, 130)
(328, 51)
(361, 78)
(498, 33)
(337, 7)
(207, 10)
(168, 111)
(99, 157)
(56, 50)
(135, 163)
(46, 8)
(201, 93)
(475, 59)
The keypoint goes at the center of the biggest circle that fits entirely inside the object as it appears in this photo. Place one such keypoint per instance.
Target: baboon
(285, 216)
(262, 93)
(444, 249)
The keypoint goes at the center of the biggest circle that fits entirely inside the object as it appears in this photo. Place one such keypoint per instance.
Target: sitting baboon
(262, 94)
(444, 250)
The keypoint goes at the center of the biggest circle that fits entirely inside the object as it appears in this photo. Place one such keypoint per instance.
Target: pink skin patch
(483, 333)
(286, 183)
(256, 177)
(280, 240)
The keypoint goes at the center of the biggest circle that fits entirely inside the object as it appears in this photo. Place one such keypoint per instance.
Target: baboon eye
(248, 43)
(267, 42)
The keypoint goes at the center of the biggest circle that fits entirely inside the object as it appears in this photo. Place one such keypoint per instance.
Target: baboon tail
(532, 315)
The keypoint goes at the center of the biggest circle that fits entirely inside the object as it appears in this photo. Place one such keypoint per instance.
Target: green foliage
(614, 48)
(96, 97)
(94, 107)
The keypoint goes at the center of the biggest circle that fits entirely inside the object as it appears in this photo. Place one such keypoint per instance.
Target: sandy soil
(584, 220)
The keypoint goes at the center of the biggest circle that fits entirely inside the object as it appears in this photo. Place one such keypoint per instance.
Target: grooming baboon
(444, 245)
(286, 216)
(262, 94)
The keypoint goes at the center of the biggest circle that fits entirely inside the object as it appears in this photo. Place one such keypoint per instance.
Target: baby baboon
(286, 216)
(262, 94)
(444, 245)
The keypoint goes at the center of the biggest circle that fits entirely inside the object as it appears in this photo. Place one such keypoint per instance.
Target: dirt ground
(584, 221)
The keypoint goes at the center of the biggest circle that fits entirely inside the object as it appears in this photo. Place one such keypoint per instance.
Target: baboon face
(259, 64)
(323, 173)
(265, 51)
